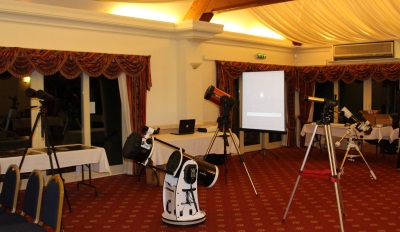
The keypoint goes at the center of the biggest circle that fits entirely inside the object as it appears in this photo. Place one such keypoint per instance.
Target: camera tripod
(264, 149)
(50, 149)
(352, 145)
(11, 113)
(224, 122)
(332, 161)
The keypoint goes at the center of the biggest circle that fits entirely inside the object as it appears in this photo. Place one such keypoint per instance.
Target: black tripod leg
(60, 173)
(263, 151)
(28, 144)
(224, 156)
(50, 144)
(211, 143)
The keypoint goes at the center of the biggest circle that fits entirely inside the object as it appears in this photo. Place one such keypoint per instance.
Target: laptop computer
(186, 126)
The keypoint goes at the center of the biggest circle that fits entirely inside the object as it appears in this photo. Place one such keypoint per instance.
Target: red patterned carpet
(127, 204)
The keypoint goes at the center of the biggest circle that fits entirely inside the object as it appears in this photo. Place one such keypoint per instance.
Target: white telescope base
(180, 199)
(191, 221)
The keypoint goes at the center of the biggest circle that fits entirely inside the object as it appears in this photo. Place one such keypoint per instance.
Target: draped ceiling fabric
(303, 79)
(327, 22)
(21, 62)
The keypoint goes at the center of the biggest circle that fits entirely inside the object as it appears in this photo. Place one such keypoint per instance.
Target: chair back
(33, 195)
(10, 189)
(52, 203)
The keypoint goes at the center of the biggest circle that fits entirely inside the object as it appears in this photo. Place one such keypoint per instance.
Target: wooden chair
(51, 211)
(10, 189)
(31, 204)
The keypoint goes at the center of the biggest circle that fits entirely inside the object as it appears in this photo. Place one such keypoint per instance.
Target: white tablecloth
(339, 130)
(194, 145)
(67, 155)
(394, 135)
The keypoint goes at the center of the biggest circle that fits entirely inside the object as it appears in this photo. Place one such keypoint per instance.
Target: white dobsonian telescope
(183, 173)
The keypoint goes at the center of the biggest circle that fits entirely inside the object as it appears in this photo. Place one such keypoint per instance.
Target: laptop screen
(186, 126)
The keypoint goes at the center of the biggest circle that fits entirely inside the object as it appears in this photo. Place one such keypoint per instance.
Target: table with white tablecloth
(82, 156)
(194, 145)
(339, 130)
(67, 156)
(394, 135)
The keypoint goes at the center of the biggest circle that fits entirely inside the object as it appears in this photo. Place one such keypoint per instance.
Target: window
(351, 96)
(384, 96)
(64, 113)
(15, 107)
(322, 90)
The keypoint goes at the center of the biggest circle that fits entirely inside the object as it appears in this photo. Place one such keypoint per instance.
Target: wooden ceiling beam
(197, 9)
(204, 10)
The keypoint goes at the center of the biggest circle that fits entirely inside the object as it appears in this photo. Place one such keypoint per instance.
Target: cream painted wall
(313, 56)
(246, 52)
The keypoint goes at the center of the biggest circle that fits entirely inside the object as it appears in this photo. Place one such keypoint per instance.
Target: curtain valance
(21, 62)
(234, 69)
(349, 73)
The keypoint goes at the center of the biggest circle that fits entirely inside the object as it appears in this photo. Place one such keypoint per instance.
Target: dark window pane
(384, 96)
(351, 96)
(274, 137)
(64, 113)
(322, 90)
(251, 138)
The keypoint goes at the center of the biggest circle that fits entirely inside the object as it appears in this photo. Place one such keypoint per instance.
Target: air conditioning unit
(373, 50)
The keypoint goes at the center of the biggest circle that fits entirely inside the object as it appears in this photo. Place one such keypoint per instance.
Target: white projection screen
(263, 101)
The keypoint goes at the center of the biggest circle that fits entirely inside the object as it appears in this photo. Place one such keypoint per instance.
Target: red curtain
(21, 62)
(349, 73)
(305, 89)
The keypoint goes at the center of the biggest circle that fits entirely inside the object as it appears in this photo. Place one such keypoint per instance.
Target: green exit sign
(261, 56)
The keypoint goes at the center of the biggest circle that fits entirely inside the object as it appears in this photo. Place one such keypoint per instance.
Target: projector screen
(263, 101)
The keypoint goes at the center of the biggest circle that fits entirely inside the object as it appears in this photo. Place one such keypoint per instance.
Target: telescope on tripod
(41, 117)
(183, 173)
(361, 125)
(329, 104)
(226, 102)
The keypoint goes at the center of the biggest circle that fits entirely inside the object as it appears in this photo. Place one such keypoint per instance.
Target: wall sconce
(195, 65)
(26, 79)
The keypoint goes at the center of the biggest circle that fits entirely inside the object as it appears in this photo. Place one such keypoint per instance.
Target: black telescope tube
(29, 92)
(44, 95)
(168, 144)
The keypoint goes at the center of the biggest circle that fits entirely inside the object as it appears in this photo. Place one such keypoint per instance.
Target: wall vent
(357, 51)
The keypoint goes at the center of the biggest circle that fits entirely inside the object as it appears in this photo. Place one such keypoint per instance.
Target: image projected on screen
(263, 101)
